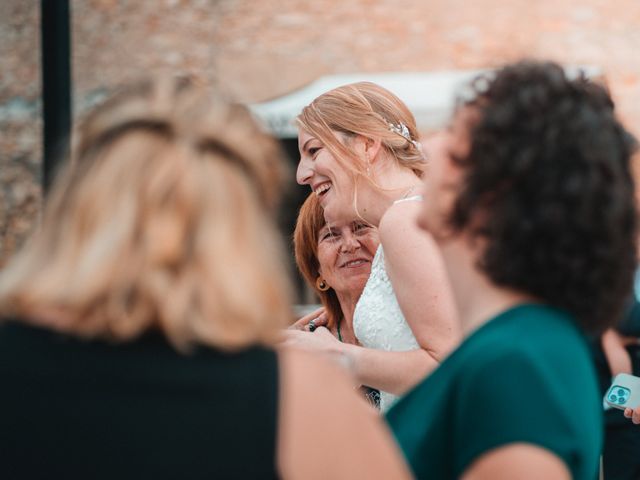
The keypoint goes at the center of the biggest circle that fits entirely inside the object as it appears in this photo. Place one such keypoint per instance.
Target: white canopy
(430, 96)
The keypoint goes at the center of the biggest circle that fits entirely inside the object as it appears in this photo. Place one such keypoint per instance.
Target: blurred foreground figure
(137, 323)
(530, 198)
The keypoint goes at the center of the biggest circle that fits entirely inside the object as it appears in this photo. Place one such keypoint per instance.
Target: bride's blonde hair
(366, 109)
(161, 220)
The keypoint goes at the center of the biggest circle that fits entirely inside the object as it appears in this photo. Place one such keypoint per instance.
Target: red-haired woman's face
(345, 253)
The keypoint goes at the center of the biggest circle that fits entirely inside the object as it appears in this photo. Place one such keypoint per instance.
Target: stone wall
(260, 49)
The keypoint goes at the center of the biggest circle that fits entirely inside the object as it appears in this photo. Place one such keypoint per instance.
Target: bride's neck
(391, 184)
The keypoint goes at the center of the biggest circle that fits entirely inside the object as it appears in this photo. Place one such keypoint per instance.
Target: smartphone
(624, 392)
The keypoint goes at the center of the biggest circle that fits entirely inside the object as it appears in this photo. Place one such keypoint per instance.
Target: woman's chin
(357, 278)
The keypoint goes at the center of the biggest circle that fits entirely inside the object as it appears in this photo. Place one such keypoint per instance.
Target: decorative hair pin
(402, 130)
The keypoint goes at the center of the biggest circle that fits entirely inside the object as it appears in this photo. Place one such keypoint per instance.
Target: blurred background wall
(261, 49)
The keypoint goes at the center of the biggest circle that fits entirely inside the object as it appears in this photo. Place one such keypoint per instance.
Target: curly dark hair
(548, 185)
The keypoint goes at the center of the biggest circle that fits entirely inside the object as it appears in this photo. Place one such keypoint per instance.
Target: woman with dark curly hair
(530, 198)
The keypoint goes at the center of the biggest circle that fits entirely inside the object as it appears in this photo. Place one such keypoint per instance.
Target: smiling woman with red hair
(336, 262)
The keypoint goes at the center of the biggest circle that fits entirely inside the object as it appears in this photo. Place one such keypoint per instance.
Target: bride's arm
(393, 372)
(419, 280)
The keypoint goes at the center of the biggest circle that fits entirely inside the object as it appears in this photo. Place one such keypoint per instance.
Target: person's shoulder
(319, 406)
(551, 331)
(530, 324)
(527, 368)
(532, 335)
(400, 215)
(399, 225)
(303, 369)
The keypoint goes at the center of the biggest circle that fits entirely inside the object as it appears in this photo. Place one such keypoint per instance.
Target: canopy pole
(55, 47)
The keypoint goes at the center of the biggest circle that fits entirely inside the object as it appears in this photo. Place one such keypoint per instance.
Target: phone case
(624, 392)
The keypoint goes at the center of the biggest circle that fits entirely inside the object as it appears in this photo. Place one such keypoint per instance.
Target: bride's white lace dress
(378, 321)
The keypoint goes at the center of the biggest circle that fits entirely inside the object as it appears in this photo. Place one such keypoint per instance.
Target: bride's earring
(368, 165)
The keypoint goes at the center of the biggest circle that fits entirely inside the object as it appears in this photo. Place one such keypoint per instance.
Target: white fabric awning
(430, 96)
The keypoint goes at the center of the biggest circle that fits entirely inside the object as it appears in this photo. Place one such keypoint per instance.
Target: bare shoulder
(518, 460)
(319, 408)
(304, 368)
(399, 222)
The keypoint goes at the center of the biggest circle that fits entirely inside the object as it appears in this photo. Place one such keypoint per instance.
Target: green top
(524, 376)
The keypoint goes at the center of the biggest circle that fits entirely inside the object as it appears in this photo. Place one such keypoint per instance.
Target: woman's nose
(349, 243)
(304, 172)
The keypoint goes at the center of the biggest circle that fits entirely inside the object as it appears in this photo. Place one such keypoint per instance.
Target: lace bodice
(378, 321)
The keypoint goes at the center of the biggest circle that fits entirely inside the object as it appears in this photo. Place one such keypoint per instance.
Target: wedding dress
(378, 321)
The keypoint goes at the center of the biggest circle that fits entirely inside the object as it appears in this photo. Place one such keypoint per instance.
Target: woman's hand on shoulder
(318, 316)
(321, 340)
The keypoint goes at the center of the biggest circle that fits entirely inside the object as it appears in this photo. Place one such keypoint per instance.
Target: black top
(73, 409)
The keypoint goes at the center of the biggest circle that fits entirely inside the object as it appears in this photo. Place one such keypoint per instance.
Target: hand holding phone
(624, 392)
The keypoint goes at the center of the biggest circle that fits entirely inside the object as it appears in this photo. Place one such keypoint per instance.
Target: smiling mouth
(355, 263)
(322, 189)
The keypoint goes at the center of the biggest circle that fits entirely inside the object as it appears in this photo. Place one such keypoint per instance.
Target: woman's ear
(373, 146)
(368, 147)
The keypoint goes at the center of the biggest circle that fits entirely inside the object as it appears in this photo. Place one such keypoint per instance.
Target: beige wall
(264, 48)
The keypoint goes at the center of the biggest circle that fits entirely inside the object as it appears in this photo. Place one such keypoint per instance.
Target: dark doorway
(293, 198)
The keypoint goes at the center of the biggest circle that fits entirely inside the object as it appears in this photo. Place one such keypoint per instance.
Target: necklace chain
(409, 190)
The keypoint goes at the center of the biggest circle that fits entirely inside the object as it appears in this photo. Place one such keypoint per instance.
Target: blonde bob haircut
(162, 220)
(366, 109)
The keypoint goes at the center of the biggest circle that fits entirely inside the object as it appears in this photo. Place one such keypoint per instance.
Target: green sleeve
(513, 398)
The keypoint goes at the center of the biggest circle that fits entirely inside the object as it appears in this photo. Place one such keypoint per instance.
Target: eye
(360, 227)
(313, 151)
(329, 235)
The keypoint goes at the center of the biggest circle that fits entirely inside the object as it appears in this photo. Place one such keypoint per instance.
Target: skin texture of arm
(613, 345)
(326, 430)
(419, 279)
(393, 372)
(517, 460)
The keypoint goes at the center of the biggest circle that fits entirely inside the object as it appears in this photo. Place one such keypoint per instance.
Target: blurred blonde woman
(138, 322)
